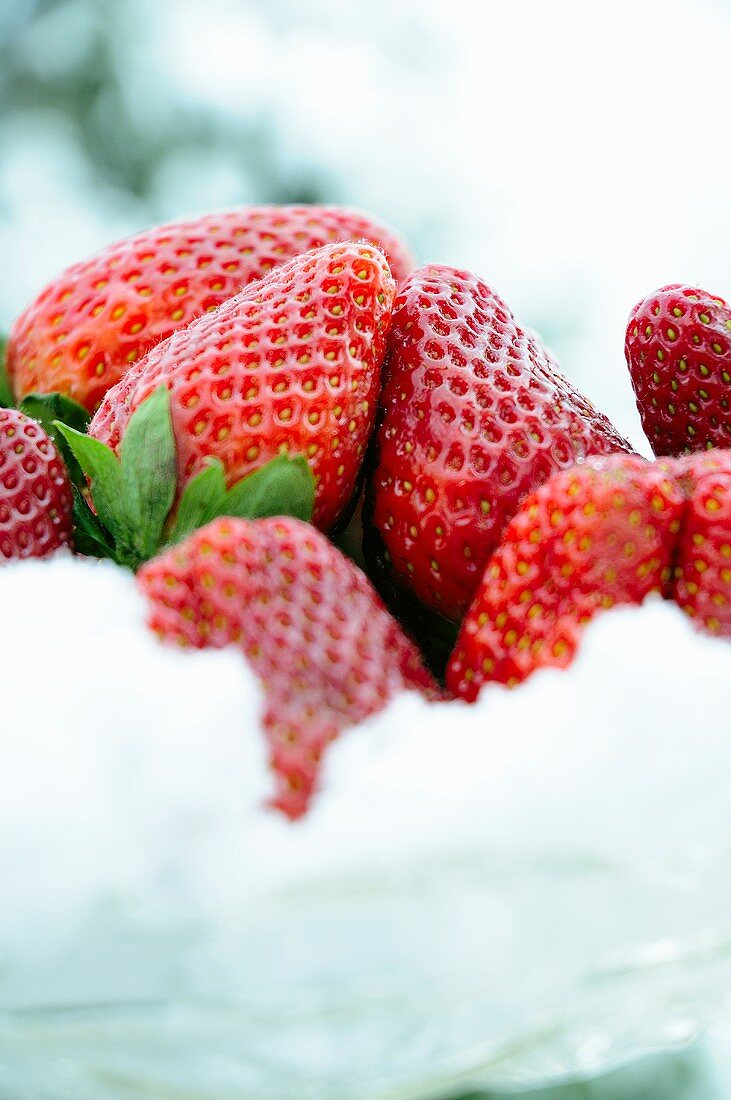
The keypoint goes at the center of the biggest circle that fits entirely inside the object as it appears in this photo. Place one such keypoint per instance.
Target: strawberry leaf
(47, 408)
(148, 474)
(90, 537)
(284, 487)
(6, 394)
(132, 494)
(101, 466)
(203, 499)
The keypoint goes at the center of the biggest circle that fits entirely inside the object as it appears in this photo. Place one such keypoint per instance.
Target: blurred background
(568, 152)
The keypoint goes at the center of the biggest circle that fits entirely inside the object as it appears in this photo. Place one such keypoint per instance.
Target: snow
(533, 884)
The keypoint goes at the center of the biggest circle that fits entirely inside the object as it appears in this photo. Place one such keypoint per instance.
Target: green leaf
(48, 408)
(90, 537)
(101, 466)
(148, 473)
(132, 494)
(6, 394)
(202, 500)
(284, 487)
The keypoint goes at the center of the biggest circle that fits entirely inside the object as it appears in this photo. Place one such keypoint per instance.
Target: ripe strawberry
(85, 329)
(702, 582)
(35, 494)
(325, 649)
(597, 535)
(292, 364)
(474, 416)
(678, 349)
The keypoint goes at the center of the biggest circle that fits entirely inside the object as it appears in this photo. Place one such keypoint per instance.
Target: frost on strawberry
(598, 535)
(678, 350)
(94, 321)
(291, 365)
(326, 651)
(35, 493)
(474, 416)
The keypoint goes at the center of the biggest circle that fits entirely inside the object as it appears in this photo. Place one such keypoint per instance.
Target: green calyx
(6, 394)
(134, 492)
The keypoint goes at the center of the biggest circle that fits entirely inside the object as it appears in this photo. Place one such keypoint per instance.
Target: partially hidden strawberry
(289, 366)
(678, 349)
(326, 651)
(35, 493)
(474, 415)
(702, 581)
(600, 534)
(87, 327)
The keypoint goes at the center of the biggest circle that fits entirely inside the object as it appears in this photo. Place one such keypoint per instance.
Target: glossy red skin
(35, 494)
(678, 349)
(474, 416)
(598, 535)
(702, 582)
(324, 648)
(291, 364)
(89, 325)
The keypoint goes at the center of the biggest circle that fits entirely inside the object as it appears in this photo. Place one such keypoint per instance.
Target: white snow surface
(533, 884)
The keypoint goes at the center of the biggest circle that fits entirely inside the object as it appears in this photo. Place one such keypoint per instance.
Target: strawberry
(292, 364)
(474, 416)
(35, 493)
(678, 349)
(84, 330)
(326, 651)
(702, 582)
(600, 534)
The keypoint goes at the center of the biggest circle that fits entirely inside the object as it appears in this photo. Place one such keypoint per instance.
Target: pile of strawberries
(213, 403)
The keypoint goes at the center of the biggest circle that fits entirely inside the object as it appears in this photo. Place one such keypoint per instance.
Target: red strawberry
(600, 534)
(83, 331)
(678, 349)
(292, 364)
(35, 494)
(702, 584)
(325, 649)
(474, 416)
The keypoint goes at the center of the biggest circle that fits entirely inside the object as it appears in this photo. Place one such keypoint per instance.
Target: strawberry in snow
(600, 534)
(702, 580)
(326, 651)
(35, 493)
(87, 327)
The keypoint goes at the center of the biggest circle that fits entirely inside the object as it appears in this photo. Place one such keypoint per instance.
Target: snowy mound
(533, 884)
